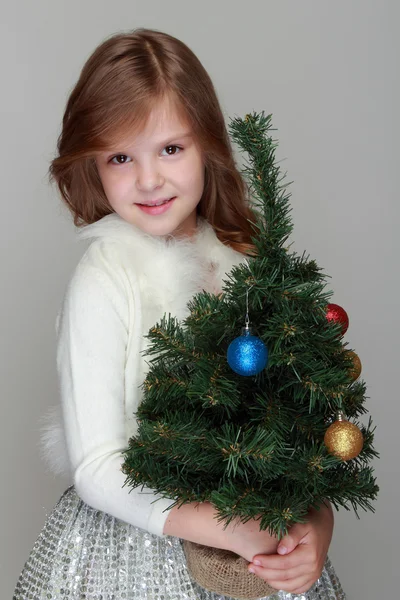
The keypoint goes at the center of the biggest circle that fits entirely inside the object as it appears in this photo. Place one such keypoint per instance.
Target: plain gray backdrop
(328, 71)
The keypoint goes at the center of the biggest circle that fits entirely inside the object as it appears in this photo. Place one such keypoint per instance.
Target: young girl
(145, 166)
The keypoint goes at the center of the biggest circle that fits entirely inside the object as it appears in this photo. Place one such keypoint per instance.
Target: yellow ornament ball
(344, 439)
(356, 369)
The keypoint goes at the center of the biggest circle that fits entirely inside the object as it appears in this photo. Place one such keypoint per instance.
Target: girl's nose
(149, 178)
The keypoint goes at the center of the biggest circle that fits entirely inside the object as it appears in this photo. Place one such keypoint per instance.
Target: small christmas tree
(256, 444)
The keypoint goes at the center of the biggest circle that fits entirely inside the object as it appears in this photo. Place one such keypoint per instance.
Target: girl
(145, 165)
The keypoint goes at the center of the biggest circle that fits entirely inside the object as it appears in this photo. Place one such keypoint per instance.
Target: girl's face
(155, 179)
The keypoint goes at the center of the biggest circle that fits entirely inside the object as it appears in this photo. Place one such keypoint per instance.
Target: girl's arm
(91, 357)
(198, 523)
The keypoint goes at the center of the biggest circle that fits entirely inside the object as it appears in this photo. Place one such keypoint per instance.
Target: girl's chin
(157, 227)
(168, 224)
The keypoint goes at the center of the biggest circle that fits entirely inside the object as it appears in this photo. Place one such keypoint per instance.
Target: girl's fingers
(295, 582)
(271, 575)
(294, 574)
(298, 557)
(292, 539)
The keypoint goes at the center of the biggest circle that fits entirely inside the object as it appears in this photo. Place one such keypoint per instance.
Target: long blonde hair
(124, 78)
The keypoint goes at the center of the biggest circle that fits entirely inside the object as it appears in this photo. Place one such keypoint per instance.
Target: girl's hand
(246, 540)
(301, 554)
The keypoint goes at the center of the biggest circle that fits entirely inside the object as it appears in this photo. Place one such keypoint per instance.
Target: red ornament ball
(337, 314)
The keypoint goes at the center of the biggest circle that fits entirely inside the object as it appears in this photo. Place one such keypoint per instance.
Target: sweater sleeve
(91, 356)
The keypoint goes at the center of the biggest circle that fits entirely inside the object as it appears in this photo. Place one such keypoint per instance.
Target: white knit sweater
(125, 282)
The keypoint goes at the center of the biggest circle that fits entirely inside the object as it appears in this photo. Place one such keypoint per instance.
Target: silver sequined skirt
(85, 554)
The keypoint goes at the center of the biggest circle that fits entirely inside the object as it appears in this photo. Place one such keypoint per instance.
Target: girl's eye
(120, 159)
(171, 150)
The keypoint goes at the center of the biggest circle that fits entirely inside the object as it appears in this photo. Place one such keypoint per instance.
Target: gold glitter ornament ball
(344, 439)
(355, 371)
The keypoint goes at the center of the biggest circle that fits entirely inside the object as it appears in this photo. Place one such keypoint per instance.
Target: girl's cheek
(122, 181)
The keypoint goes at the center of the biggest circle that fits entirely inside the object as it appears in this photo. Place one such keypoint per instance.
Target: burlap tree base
(224, 572)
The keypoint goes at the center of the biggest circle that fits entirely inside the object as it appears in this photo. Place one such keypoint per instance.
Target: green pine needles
(253, 446)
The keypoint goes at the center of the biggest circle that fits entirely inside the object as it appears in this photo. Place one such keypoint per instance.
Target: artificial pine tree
(254, 445)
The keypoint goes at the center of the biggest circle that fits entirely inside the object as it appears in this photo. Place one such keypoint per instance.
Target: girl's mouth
(156, 209)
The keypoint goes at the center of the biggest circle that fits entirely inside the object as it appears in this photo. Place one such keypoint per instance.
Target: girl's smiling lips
(155, 208)
(154, 202)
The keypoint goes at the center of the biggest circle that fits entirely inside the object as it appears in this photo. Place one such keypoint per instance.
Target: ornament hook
(247, 318)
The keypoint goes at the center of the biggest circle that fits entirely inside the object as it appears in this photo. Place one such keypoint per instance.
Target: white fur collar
(114, 227)
(164, 261)
(205, 240)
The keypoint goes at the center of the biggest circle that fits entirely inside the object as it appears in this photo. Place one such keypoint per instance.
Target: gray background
(327, 71)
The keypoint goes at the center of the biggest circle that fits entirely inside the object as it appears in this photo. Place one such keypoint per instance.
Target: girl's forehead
(164, 116)
(165, 119)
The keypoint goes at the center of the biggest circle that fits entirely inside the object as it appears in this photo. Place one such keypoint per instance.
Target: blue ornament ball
(247, 355)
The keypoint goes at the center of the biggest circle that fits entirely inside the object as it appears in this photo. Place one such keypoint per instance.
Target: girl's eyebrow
(162, 143)
(185, 134)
